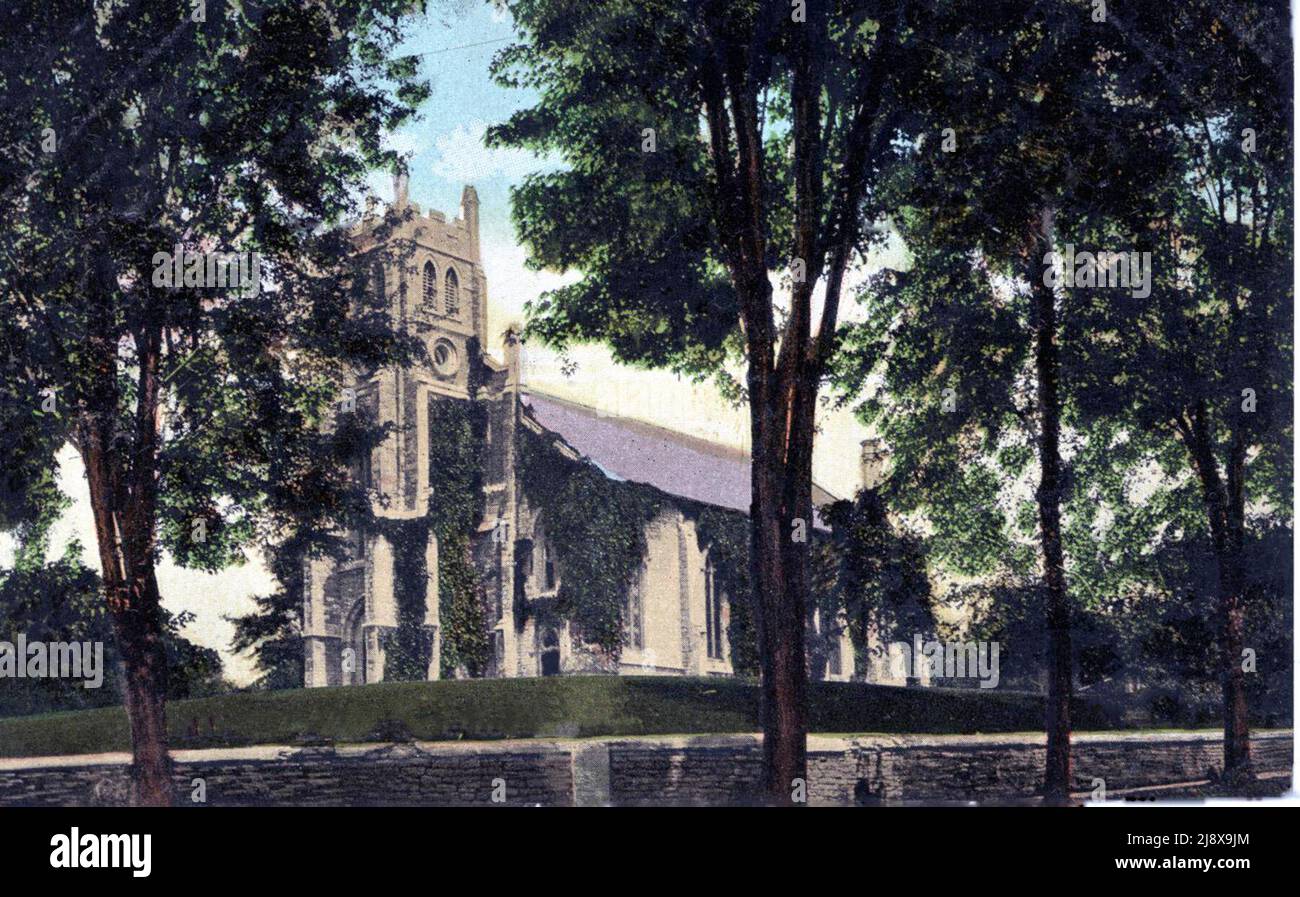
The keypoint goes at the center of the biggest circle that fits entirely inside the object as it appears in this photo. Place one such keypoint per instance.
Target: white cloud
(511, 283)
(463, 159)
(406, 143)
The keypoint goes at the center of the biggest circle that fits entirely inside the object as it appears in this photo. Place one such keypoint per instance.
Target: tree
(136, 142)
(721, 182)
(273, 632)
(1145, 565)
(1199, 374)
(1025, 145)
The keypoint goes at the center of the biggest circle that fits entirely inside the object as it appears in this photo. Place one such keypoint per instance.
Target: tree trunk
(1236, 724)
(140, 642)
(1225, 508)
(131, 592)
(780, 590)
(1056, 776)
(123, 504)
(1232, 596)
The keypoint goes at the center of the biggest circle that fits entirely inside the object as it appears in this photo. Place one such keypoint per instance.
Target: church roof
(626, 449)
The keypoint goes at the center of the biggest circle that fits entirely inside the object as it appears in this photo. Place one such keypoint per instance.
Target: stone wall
(391, 775)
(672, 770)
(930, 768)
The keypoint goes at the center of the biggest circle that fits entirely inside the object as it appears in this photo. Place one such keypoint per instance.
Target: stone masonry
(696, 770)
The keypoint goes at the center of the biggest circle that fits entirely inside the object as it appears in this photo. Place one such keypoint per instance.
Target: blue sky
(445, 145)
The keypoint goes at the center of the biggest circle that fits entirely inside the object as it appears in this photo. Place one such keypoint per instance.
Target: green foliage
(950, 335)
(1145, 616)
(881, 574)
(59, 600)
(408, 648)
(456, 429)
(955, 407)
(456, 433)
(635, 223)
(597, 526)
(464, 621)
(192, 670)
(273, 634)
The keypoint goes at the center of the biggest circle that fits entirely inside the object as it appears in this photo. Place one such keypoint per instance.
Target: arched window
(377, 278)
(452, 293)
(550, 653)
(430, 299)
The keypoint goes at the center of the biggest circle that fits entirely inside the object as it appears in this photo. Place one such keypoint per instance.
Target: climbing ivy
(456, 432)
(597, 526)
(725, 536)
(407, 650)
(465, 643)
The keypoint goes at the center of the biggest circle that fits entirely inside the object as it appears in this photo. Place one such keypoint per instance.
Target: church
(676, 611)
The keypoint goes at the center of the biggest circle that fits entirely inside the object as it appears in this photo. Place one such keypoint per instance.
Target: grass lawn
(580, 706)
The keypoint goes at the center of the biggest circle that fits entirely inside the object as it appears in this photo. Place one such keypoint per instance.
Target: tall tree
(1199, 374)
(1020, 151)
(272, 633)
(722, 167)
(130, 133)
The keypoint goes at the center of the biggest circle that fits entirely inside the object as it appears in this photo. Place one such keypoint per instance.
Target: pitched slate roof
(675, 463)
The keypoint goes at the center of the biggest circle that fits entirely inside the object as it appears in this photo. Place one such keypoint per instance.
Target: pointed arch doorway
(550, 653)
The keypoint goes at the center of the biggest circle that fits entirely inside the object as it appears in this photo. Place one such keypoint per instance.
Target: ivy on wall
(725, 536)
(597, 527)
(456, 433)
(407, 650)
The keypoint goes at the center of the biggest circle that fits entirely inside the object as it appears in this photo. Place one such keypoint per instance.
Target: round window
(445, 359)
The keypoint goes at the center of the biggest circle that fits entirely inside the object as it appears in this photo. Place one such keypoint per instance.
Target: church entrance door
(550, 653)
(354, 666)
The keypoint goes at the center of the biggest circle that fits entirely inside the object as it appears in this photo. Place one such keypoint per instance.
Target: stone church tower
(430, 274)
